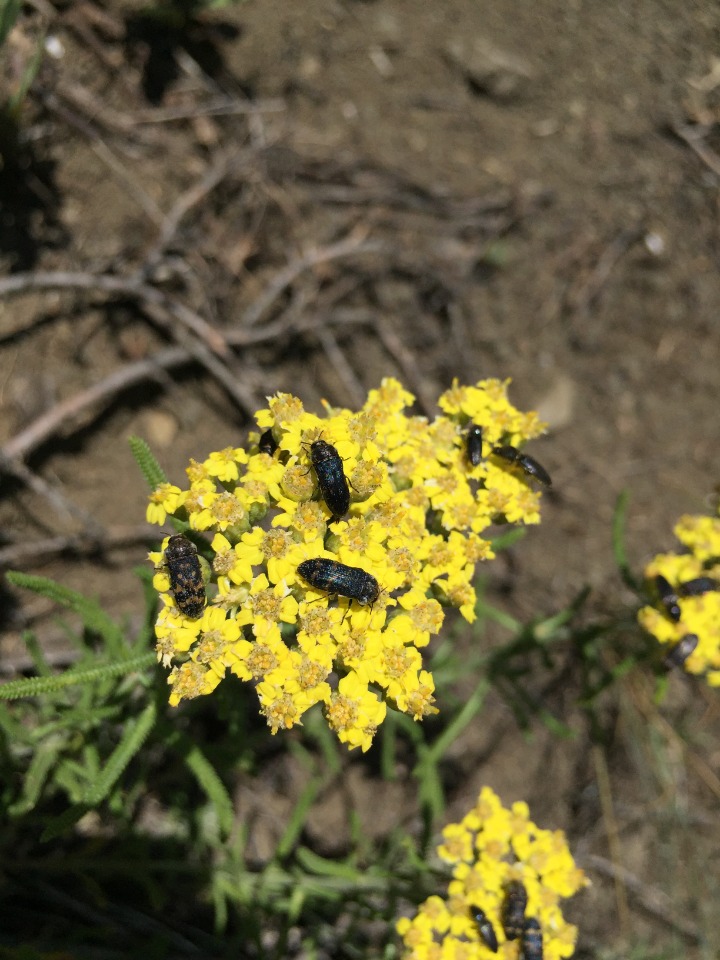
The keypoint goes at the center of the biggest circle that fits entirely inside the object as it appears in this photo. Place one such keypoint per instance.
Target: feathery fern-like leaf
(212, 785)
(151, 469)
(41, 764)
(132, 740)
(90, 612)
(35, 686)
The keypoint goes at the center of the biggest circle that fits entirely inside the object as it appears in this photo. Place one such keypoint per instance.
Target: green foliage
(90, 612)
(37, 686)
(83, 749)
(124, 803)
(618, 541)
(133, 737)
(11, 104)
(151, 469)
(9, 12)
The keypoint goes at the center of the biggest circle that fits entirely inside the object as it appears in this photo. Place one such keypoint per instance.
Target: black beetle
(528, 464)
(698, 586)
(474, 443)
(668, 597)
(267, 442)
(486, 930)
(532, 941)
(186, 580)
(331, 478)
(678, 654)
(340, 580)
(513, 917)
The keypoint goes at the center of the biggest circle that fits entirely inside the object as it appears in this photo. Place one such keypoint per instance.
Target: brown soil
(543, 181)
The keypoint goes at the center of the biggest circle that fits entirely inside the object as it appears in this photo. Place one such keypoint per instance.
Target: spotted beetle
(340, 580)
(532, 941)
(513, 917)
(186, 580)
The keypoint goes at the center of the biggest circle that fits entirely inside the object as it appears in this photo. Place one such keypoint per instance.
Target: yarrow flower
(417, 524)
(491, 851)
(686, 619)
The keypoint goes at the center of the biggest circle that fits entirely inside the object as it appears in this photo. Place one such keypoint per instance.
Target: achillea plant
(416, 526)
(508, 878)
(686, 617)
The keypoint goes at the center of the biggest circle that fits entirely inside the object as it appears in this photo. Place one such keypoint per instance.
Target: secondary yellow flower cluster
(699, 614)
(417, 512)
(491, 848)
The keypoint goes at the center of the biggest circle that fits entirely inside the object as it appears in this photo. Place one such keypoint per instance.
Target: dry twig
(225, 163)
(132, 287)
(62, 504)
(404, 358)
(695, 139)
(48, 423)
(101, 149)
(79, 543)
(354, 243)
(655, 902)
(339, 363)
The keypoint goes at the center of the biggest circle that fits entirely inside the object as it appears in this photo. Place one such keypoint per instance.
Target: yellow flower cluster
(417, 512)
(695, 614)
(490, 849)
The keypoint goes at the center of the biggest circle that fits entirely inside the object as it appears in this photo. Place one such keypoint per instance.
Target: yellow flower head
(685, 587)
(341, 565)
(505, 870)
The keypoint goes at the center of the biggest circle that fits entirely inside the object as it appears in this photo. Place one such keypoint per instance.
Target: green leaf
(488, 611)
(61, 824)
(132, 740)
(9, 12)
(42, 667)
(40, 766)
(618, 541)
(470, 709)
(545, 631)
(15, 102)
(297, 818)
(90, 612)
(504, 540)
(151, 469)
(212, 785)
(322, 867)
(36, 686)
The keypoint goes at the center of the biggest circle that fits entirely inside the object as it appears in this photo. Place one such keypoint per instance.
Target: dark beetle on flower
(698, 586)
(513, 917)
(331, 478)
(528, 464)
(532, 942)
(486, 931)
(340, 580)
(679, 653)
(474, 443)
(267, 443)
(186, 580)
(668, 597)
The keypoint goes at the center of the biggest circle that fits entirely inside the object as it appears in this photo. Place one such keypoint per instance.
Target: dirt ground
(524, 190)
